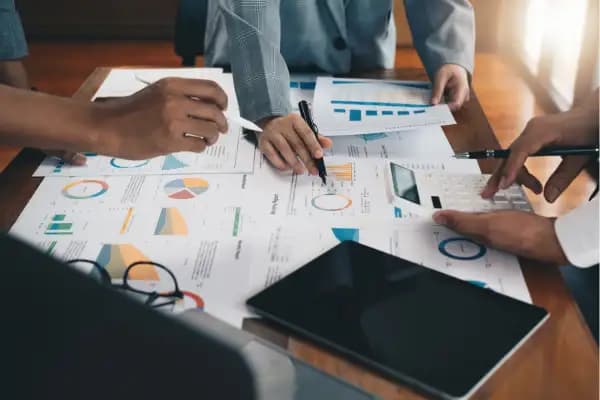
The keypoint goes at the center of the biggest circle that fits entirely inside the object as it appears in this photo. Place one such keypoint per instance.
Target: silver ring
(186, 134)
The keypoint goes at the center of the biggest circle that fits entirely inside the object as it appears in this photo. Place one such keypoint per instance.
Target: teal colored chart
(122, 163)
(172, 162)
(371, 137)
(346, 234)
(460, 248)
(481, 284)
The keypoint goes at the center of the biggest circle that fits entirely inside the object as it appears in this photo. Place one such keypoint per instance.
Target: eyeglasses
(147, 278)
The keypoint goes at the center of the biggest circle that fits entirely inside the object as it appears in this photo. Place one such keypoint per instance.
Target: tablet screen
(409, 322)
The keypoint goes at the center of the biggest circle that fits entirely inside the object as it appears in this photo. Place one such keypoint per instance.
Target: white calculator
(423, 192)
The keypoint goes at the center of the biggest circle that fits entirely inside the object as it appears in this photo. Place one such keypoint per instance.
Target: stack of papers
(228, 224)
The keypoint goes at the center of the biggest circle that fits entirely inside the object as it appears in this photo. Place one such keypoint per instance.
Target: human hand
(289, 143)
(156, 120)
(521, 233)
(453, 80)
(576, 127)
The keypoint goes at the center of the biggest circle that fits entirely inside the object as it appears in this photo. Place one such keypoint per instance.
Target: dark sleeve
(13, 45)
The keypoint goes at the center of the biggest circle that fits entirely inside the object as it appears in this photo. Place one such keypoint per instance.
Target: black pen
(548, 151)
(307, 117)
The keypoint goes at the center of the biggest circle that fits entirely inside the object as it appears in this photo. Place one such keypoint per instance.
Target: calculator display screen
(405, 185)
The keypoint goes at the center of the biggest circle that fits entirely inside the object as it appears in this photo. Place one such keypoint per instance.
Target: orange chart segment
(115, 258)
(341, 172)
(171, 222)
(186, 188)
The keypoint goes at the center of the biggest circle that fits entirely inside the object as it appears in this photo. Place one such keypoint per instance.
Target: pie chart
(186, 188)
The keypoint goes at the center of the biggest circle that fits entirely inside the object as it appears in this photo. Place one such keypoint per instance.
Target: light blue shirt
(13, 45)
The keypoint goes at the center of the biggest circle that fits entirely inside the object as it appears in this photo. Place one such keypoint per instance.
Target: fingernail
(552, 193)
(319, 154)
(503, 183)
(485, 193)
(78, 159)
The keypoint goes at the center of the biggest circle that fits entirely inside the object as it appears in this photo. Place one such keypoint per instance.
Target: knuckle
(296, 118)
(167, 83)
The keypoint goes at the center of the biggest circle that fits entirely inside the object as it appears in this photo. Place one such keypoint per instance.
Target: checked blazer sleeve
(259, 70)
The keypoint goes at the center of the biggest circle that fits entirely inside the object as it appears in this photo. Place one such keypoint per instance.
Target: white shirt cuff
(577, 233)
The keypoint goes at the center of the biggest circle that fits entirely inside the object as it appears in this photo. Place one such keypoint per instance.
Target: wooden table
(559, 362)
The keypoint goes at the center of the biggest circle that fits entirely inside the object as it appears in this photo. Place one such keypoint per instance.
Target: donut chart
(331, 202)
(122, 163)
(85, 189)
(460, 248)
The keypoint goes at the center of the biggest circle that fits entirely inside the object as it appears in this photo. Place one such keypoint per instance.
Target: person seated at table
(569, 239)
(147, 124)
(261, 39)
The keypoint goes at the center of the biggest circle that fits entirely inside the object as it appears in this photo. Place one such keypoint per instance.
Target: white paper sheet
(232, 152)
(359, 106)
(417, 240)
(122, 82)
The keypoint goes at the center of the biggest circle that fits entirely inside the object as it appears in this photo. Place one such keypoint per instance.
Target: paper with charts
(227, 235)
(426, 142)
(232, 153)
(420, 241)
(359, 106)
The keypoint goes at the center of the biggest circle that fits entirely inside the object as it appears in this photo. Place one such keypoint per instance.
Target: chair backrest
(190, 28)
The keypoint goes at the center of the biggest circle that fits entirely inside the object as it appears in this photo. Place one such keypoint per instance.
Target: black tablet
(418, 326)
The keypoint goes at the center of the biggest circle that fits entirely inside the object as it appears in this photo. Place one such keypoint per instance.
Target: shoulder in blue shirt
(13, 45)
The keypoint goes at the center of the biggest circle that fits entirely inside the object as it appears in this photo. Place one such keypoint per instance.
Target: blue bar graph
(377, 103)
(355, 115)
(308, 85)
(303, 85)
(418, 85)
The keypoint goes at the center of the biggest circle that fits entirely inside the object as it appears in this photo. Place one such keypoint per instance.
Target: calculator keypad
(461, 192)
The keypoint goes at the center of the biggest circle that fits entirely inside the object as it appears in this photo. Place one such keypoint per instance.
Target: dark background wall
(98, 19)
(154, 19)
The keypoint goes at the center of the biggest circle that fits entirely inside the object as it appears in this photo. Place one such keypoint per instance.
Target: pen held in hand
(307, 117)
(548, 151)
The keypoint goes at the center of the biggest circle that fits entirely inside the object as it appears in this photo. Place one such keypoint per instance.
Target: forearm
(13, 73)
(259, 70)
(31, 119)
(443, 32)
